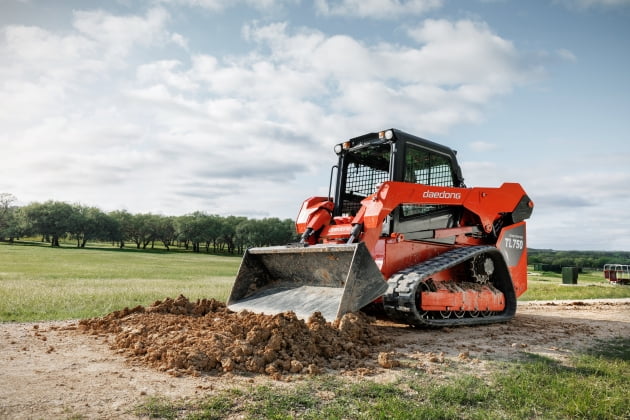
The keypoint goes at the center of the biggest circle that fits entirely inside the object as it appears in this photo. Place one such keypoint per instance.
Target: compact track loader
(401, 231)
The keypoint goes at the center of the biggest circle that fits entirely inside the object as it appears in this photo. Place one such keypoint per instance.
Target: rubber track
(400, 298)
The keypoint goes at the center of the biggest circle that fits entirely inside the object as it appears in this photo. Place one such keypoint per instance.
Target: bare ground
(175, 349)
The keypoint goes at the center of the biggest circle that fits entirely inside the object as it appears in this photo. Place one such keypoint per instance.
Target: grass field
(590, 285)
(39, 283)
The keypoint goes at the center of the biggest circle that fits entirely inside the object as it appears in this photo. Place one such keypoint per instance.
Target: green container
(569, 275)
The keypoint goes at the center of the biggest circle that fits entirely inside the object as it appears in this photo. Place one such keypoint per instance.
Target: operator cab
(367, 161)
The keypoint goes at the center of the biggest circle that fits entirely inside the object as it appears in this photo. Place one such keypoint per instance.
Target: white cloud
(165, 71)
(30, 43)
(567, 55)
(34, 52)
(464, 52)
(204, 132)
(180, 40)
(455, 68)
(100, 42)
(376, 9)
(482, 146)
(119, 34)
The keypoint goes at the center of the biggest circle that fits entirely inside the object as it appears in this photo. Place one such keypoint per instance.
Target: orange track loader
(401, 231)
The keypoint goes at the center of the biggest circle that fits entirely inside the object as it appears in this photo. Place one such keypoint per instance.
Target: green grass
(590, 385)
(590, 285)
(42, 283)
(155, 408)
(38, 282)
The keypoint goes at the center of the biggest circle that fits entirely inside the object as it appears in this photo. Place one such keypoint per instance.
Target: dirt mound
(179, 336)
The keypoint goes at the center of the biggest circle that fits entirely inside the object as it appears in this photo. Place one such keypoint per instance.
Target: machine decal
(512, 244)
(442, 194)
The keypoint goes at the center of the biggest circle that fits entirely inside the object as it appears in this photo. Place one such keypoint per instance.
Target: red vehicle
(617, 273)
(402, 231)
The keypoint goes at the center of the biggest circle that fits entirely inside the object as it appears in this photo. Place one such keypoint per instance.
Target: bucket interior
(331, 279)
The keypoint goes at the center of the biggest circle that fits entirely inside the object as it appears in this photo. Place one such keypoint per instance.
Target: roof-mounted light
(387, 135)
(342, 146)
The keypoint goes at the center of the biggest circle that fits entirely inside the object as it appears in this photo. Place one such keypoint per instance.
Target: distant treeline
(55, 220)
(550, 260)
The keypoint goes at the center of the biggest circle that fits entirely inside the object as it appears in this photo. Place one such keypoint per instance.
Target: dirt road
(65, 369)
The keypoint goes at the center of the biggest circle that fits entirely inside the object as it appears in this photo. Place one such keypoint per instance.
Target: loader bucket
(331, 279)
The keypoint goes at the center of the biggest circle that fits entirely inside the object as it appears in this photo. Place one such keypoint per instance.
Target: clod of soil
(387, 360)
(181, 337)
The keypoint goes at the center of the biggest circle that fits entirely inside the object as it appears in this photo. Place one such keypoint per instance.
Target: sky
(232, 107)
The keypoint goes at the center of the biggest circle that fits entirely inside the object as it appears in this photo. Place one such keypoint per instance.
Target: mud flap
(331, 279)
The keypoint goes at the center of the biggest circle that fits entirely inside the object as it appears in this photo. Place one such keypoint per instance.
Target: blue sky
(233, 106)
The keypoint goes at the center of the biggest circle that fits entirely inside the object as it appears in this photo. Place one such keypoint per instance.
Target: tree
(88, 223)
(143, 229)
(249, 234)
(122, 228)
(54, 220)
(197, 229)
(18, 226)
(211, 231)
(266, 232)
(184, 227)
(200, 228)
(50, 219)
(165, 230)
(8, 220)
(230, 238)
(280, 232)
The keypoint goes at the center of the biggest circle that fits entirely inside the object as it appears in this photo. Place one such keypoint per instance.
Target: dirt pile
(179, 336)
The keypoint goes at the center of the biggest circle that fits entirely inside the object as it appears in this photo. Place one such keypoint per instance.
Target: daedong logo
(442, 194)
